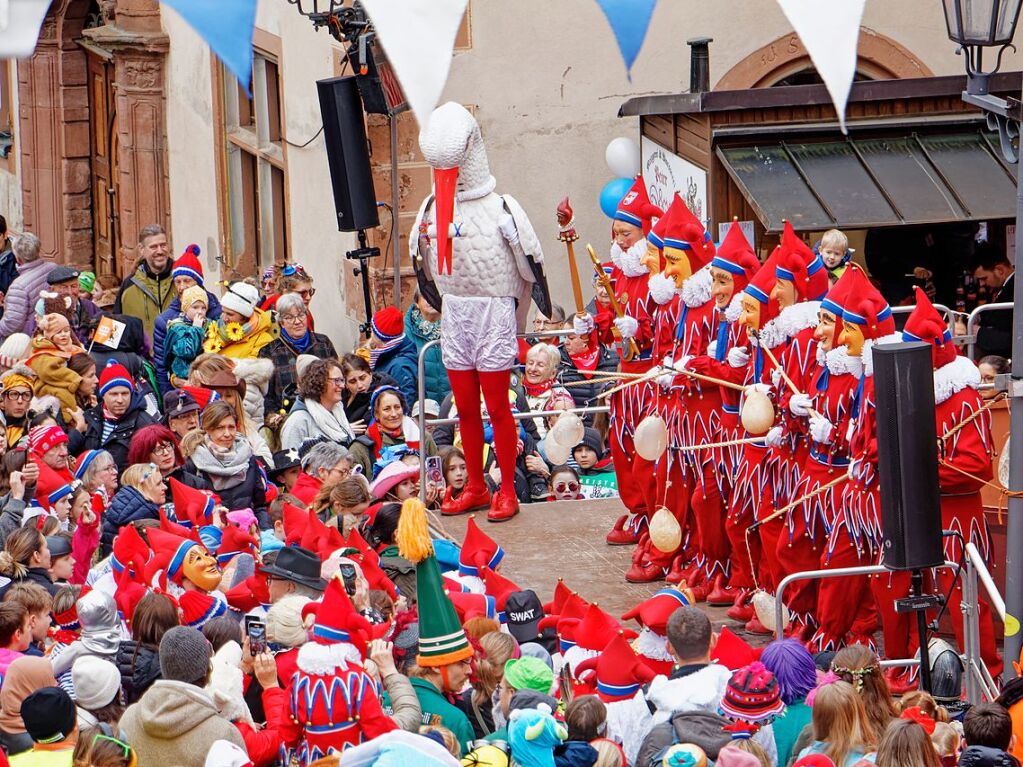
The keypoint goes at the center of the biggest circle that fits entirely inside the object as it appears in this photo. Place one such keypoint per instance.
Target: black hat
(49, 715)
(59, 274)
(178, 402)
(58, 545)
(592, 440)
(523, 611)
(296, 564)
(284, 460)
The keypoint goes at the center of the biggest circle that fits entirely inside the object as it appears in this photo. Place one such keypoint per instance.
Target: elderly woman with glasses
(158, 445)
(141, 495)
(319, 412)
(296, 338)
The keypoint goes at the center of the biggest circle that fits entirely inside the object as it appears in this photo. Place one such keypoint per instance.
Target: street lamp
(975, 25)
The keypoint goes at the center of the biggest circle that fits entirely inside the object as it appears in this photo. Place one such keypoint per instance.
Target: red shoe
(648, 572)
(900, 680)
(799, 630)
(699, 592)
(468, 500)
(754, 626)
(693, 574)
(722, 595)
(675, 571)
(503, 507)
(741, 613)
(623, 533)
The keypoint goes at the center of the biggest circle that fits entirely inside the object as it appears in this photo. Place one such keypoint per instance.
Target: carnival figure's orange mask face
(824, 333)
(677, 266)
(784, 292)
(852, 338)
(750, 315)
(201, 569)
(651, 259)
(722, 286)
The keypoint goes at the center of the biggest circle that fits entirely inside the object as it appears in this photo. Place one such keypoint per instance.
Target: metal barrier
(978, 681)
(518, 416)
(944, 310)
(973, 320)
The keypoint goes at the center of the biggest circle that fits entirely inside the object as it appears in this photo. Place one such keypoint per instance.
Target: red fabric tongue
(444, 182)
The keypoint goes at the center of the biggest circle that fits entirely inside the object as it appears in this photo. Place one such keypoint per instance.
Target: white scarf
(332, 423)
(629, 260)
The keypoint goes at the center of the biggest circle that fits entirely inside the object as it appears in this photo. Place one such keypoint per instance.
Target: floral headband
(857, 674)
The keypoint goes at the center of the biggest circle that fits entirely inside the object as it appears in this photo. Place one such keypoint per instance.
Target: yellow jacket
(53, 376)
(264, 331)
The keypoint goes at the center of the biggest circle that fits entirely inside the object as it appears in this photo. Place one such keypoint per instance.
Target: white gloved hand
(800, 404)
(775, 377)
(627, 326)
(682, 362)
(582, 325)
(508, 229)
(774, 436)
(760, 387)
(712, 348)
(665, 380)
(821, 429)
(738, 357)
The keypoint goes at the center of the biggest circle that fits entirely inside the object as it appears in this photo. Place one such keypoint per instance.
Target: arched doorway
(785, 62)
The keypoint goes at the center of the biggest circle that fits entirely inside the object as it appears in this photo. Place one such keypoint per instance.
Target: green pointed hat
(442, 641)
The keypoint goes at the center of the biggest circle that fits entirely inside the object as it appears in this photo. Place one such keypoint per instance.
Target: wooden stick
(649, 376)
(786, 509)
(712, 445)
(786, 379)
(708, 379)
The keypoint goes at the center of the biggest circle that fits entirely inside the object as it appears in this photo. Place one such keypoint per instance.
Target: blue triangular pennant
(629, 20)
(226, 26)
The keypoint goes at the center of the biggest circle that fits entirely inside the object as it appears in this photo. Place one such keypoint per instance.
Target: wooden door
(103, 130)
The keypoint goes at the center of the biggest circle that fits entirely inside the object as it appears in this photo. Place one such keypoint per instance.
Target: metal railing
(518, 416)
(973, 320)
(947, 313)
(977, 679)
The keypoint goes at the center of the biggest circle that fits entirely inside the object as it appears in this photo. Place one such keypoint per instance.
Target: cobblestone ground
(566, 539)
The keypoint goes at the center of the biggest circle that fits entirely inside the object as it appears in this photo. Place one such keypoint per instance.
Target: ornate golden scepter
(629, 349)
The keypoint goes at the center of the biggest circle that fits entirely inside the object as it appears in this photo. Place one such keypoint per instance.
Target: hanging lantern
(557, 454)
(568, 429)
(665, 531)
(757, 412)
(651, 438)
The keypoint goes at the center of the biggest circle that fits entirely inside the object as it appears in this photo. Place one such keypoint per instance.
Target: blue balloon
(612, 194)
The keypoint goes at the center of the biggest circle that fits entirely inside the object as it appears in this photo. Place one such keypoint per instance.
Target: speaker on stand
(907, 453)
(351, 178)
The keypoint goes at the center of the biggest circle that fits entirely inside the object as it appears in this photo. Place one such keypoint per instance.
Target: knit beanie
(87, 281)
(388, 323)
(97, 681)
(752, 695)
(115, 375)
(42, 439)
(185, 655)
(187, 265)
(193, 294)
(242, 298)
(15, 348)
(49, 715)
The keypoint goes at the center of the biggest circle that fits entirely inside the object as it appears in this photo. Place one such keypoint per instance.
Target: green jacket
(787, 726)
(438, 711)
(146, 295)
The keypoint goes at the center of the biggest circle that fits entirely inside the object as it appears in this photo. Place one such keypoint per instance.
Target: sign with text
(747, 231)
(666, 173)
(109, 332)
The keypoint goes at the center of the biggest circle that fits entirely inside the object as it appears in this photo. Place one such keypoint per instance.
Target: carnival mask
(201, 569)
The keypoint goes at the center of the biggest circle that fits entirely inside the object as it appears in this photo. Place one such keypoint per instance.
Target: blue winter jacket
(127, 506)
(402, 364)
(435, 378)
(160, 335)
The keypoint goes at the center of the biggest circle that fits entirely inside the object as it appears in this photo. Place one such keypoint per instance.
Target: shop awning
(860, 183)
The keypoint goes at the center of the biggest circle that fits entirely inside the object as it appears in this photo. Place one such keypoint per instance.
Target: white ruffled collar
(325, 659)
(629, 260)
(652, 645)
(840, 362)
(696, 289)
(661, 288)
(734, 308)
(952, 378)
(867, 355)
(789, 323)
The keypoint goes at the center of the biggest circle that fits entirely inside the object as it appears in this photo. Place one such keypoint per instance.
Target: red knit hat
(925, 324)
(653, 613)
(42, 439)
(191, 506)
(388, 323)
(619, 671)
(201, 395)
(479, 551)
(199, 608)
(115, 375)
(798, 264)
(735, 256)
(752, 695)
(636, 208)
(295, 520)
(187, 264)
(678, 228)
(336, 619)
(51, 487)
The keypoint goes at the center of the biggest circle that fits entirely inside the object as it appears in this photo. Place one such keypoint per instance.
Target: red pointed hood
(926, 324)
(735, 256)
(337, 619)
(798, 264)
(295, 520)
(636, 208)
(653, 613)
(479, 551)
(619, 671)
(191, 505)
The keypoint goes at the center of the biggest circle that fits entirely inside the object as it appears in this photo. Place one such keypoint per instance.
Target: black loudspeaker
(344, 132)
(907, 452)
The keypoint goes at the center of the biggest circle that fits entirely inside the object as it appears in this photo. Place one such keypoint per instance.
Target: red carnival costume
(636, 484)
(486, 274)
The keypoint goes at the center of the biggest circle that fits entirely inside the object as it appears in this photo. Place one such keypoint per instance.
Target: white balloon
(651, 438)
(557, 453)
(623, 157)
(568, 429)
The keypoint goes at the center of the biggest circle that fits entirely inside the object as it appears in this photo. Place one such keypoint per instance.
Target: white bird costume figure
(478, 251)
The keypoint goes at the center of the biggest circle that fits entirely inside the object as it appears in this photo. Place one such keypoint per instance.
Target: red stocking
(465, 386)
(495, 387)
